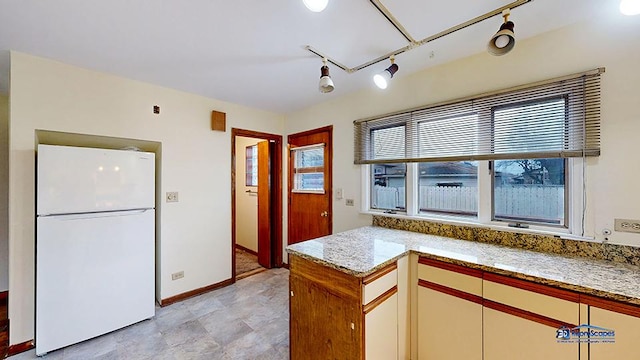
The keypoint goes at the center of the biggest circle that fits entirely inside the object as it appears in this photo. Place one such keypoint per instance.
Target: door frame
(329, 147)
(276, 198)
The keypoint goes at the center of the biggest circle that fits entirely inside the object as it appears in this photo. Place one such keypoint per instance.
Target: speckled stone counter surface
(362, 251)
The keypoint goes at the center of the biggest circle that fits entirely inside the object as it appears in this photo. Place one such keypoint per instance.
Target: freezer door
(94, 274)
(77, 180)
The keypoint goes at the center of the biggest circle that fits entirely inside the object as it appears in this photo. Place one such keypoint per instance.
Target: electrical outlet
(348, 202)
(172, 196)
(178, 275)
(626, 225)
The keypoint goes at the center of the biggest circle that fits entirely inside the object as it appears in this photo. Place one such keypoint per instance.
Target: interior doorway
(256, 190)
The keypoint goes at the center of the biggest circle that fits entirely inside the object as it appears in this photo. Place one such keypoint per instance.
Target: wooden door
(310, 184)
(265, 213)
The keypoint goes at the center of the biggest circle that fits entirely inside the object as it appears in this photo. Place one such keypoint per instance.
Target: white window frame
(576, 202)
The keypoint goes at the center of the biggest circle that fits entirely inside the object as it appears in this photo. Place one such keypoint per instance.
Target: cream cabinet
(449, 311)
(521, 319)
(380, 308)
(623, 320)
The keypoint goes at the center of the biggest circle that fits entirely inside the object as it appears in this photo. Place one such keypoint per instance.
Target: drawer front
(451, 279)
(535, 302)
(379, 286)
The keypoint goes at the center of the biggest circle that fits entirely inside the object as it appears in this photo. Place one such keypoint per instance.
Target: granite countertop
(362, 251)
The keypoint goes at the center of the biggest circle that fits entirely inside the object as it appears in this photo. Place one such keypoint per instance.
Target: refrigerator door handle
(94, 215)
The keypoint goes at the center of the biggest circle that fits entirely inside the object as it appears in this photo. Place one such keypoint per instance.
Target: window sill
(453, 220)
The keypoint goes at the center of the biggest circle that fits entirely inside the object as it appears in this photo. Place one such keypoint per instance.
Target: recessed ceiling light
(315, 5)
(630, 7)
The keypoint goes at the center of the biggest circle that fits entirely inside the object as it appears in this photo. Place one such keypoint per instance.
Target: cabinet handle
(291, 293)
(324, 214)
(353, 326)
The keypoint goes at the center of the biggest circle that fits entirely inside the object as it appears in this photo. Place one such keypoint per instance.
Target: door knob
(324, 213)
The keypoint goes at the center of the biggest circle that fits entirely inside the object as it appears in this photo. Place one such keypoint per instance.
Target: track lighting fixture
(315, 5)
(630, 7)
(504, 40)
(326, 84)
(382, 79)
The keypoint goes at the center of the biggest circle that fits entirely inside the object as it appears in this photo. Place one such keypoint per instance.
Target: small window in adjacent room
(388, 184)
(251, 164)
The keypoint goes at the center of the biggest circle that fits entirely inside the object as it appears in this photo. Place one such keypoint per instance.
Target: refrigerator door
(94, 274)
(75, 180)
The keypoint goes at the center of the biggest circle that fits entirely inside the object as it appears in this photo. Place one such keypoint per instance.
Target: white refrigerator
(95, 243)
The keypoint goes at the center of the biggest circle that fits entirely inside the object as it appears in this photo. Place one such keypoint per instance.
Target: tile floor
(246, 320)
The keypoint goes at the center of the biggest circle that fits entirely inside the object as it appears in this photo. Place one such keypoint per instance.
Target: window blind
(556, 118)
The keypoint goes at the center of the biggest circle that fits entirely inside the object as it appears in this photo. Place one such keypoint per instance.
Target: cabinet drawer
(379, 282)
(539, 299)
(469, 282)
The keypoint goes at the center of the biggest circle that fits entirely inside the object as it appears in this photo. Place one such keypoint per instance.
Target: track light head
(382, 79)
(504, 40)
(326, 84)
(315, 5)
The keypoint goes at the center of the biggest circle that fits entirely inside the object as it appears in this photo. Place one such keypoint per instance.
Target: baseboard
(195, 292)
(240, 247)
(19, 348)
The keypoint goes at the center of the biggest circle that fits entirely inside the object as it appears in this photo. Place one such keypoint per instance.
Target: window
(511, 156)
(251, 165)
(530, 191)
(448, 187)
(388, 186)
(308, 171)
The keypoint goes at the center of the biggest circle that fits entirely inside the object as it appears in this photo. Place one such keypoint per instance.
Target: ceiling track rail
(392, 19)
(412, 42)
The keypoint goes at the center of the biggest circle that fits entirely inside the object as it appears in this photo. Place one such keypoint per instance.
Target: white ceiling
(251, 52)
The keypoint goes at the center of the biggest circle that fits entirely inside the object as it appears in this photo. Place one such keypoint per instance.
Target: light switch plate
(172, 196)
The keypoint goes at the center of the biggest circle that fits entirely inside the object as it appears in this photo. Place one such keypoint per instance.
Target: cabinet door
(449, 327)
(322, 324)
(381, 330)
(508, 337)
(627, 335)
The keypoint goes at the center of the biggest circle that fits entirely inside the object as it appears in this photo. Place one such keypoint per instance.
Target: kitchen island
(372, 291)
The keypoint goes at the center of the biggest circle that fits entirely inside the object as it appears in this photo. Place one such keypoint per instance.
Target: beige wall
(246, 203)
(610, 41)
(4, 193)
(195, 233)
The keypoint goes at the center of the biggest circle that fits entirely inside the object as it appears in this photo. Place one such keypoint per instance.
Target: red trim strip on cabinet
(533, 287)
(451, 267)
(526, 314)
(450, 291)
(611, 305)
